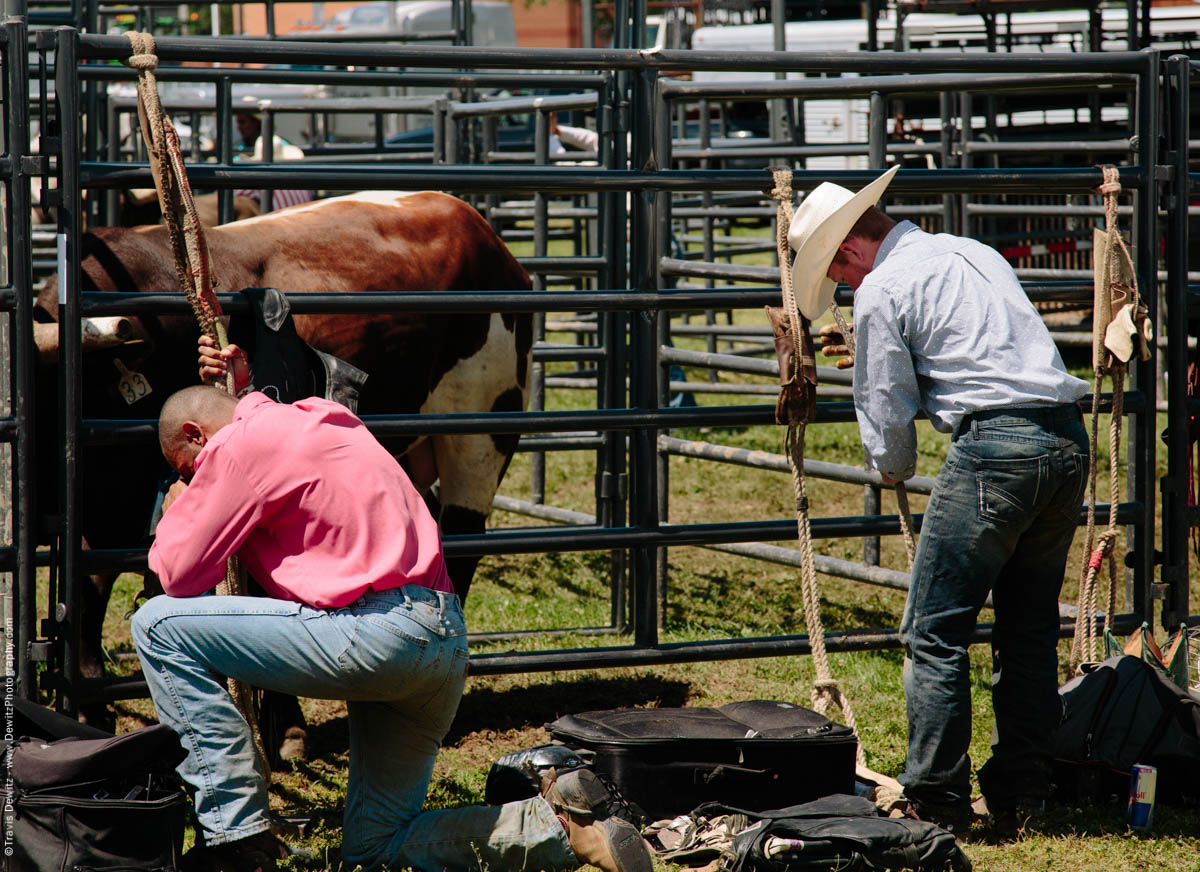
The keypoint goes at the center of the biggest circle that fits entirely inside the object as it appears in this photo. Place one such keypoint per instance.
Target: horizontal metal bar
(545, 103)
(592, 538)
(1040, 180)
(278, 76)
(564, 265)
(569, 352)
(508, 663)
(102, 303)
(560, 442)
(98, 46)
(876, 575)
(862, 86)
(104, 431)
(918, 484)
(710, 360)
(306, 104)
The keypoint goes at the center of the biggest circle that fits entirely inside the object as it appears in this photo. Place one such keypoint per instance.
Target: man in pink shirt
(360, 608)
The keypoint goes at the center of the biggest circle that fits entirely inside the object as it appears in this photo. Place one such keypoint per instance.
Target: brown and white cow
(429, 363)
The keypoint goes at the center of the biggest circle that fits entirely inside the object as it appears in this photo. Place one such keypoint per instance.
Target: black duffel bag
(107, 804)
(837, 834)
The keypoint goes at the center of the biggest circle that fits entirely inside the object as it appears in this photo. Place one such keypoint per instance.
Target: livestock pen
(632, 272)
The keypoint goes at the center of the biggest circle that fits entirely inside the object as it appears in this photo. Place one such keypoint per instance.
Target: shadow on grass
(538, 704)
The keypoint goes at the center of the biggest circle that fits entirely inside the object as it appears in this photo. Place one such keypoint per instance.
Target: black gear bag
(101, 804)
(842, 833)
(752, 754)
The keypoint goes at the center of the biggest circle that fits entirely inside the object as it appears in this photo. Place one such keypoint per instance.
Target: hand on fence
(833, 344)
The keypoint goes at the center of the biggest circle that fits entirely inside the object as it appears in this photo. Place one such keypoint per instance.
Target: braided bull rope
(1084, 645)
(195, 278)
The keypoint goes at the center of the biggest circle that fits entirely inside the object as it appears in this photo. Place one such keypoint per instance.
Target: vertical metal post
(66, 613)
(588, 23)
(872, 25)
(637, 24)
(537, 373)
(709, 226)
(966, 108)
(468, 23)
(621, 34)
(613, 480)
(662, 223)
(1174, 484)
(877, 149)
(267, 139)
(225, 144)
(643, 374)
(20, 277)
(779, 31)
(1143, 435)
(112, 199)
(946, 105)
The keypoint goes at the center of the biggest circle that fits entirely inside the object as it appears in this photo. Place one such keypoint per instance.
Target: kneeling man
(359, 608)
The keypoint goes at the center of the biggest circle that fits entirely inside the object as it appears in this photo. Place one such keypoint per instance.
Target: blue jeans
(399, 658)
(1000, 519)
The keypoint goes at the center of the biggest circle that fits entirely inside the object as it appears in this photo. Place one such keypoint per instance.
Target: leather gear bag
(797, 402)
(285, 367)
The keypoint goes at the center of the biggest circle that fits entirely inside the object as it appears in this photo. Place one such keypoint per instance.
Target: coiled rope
(1118, 282)
(190, 249)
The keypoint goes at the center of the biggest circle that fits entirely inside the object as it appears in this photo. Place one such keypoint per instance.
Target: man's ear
(192, 433)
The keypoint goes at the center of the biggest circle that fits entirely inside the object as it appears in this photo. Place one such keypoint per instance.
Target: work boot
(580, 801)
(258, 853)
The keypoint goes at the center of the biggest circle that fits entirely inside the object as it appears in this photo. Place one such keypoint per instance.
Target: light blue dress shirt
(942, 324)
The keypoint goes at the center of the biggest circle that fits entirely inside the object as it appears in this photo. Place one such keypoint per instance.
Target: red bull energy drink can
(1140, 816)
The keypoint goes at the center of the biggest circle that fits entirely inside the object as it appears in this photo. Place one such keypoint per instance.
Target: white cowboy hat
(819, 226)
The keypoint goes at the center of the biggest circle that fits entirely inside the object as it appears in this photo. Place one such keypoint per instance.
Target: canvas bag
(109, 804)
(840, 832)
(1123, 712)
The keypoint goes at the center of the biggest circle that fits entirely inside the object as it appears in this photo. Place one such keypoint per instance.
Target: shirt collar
(891, 241)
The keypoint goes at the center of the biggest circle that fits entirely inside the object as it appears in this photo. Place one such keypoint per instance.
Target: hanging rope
(825, 692)
(195, 278)
(1116, 303)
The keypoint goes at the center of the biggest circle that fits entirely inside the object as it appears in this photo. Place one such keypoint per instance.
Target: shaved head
(188, 419)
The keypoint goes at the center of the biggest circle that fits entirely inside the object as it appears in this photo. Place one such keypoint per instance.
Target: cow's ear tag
(132, 385)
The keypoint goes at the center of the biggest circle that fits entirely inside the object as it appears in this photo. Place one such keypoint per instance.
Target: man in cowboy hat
(943, 326)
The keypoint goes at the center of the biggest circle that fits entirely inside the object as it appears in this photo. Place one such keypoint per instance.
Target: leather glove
(833, 344)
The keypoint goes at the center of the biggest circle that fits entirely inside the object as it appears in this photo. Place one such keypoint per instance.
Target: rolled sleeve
(886, 394)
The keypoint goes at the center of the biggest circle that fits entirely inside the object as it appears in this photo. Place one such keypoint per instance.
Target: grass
(712, 595)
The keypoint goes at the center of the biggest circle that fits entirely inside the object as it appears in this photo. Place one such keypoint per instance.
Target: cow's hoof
(294, 745)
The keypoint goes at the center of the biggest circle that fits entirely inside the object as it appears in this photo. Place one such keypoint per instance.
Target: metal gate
(637, 97)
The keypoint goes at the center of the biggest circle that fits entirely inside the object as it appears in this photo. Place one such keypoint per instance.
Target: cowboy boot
(580, 801)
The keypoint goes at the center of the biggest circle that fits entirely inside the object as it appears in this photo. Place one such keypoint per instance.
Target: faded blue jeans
(399, 658)
(1000, 519)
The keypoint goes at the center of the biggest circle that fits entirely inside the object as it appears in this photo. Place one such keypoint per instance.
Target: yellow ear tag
(132, 385)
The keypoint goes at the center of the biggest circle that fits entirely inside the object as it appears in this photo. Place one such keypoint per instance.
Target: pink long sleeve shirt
(314, 506)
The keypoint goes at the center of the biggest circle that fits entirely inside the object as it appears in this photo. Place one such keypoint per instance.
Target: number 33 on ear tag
(132, 385)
